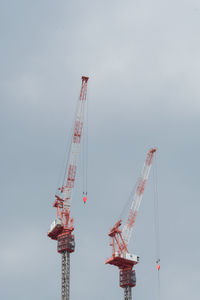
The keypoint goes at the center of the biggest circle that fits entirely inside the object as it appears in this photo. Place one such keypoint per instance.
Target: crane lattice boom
(75, 148)
(137, 198)
(63, 199)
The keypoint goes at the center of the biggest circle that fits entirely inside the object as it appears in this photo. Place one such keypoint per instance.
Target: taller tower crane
(62, 228)
(120, 238)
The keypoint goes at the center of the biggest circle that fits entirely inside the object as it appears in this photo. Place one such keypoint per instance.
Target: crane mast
(61, 229)
(120, 238)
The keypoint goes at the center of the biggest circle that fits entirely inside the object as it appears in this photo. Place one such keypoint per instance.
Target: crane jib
(63, 202)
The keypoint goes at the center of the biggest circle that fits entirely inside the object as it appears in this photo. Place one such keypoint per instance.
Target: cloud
(143, 62)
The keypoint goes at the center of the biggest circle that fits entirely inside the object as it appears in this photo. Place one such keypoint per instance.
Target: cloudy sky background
(143, 61)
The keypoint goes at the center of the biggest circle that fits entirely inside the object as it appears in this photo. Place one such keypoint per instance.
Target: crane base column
(127, 293)
(65, 275)
(127, 280)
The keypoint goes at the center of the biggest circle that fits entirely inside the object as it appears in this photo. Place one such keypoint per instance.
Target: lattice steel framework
(65, 276)
(127, 293)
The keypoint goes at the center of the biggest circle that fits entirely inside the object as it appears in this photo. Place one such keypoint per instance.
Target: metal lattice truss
(65, 288)
(127, 293)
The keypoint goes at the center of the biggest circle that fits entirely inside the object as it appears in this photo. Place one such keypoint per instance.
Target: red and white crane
(61, 229)
(120, 237)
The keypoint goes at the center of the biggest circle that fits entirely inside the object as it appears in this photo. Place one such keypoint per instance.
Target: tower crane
(120, 238)
(62, 228)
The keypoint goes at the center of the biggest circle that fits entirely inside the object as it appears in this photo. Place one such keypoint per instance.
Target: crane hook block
(84, 199)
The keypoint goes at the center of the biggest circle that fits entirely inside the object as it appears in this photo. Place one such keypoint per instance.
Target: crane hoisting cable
(156, 225)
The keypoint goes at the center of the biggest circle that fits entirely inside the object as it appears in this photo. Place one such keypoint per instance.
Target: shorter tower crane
(120, 238)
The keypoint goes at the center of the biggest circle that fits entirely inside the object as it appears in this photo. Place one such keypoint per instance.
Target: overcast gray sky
(143, 61)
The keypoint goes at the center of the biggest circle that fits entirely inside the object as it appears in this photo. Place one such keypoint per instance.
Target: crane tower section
(61, 229)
